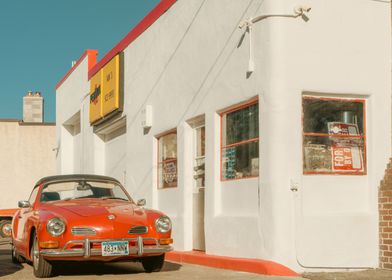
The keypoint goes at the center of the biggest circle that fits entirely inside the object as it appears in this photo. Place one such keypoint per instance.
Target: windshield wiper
(112, 197)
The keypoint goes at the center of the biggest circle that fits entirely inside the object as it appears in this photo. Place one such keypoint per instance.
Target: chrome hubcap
(7, 229)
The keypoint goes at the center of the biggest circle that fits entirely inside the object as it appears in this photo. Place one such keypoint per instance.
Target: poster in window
(169, 174)
(346, 151)
(229, 161)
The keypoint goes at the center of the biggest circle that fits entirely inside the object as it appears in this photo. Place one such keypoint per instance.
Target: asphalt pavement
(171, 270)
(85, 270)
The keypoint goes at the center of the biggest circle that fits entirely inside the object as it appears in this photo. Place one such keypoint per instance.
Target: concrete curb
(239, 264)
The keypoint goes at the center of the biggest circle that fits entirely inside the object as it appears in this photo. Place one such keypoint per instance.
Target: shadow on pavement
(100, 268)
(7, 267)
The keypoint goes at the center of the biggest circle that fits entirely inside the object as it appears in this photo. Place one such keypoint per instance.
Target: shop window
(240, 142)
(167, 160)
(334, 136)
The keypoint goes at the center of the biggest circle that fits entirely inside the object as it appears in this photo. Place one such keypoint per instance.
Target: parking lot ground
(369, 274)
(83, 270)
(171, 270)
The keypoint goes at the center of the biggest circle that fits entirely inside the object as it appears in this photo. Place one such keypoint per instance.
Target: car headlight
(163, 224)
(55, 226)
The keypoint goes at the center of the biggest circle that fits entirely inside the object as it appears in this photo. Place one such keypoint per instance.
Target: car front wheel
(153, 263)
(42, 268)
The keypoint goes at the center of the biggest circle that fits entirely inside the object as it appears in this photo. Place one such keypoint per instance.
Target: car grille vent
(138, 230)
(83, 231)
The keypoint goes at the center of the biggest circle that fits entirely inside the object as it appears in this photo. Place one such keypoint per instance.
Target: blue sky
(40, 38)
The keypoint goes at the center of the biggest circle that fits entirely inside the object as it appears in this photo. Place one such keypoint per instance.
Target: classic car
(87, 218)
(5, 222)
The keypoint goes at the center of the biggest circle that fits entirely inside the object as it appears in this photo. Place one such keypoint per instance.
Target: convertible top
(72, 177)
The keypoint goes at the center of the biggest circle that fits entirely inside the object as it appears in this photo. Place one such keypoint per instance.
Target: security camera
(301, 9)
(242, 24)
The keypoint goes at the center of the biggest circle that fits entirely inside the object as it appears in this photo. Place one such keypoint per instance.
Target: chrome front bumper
(5, 241)
(86, 251)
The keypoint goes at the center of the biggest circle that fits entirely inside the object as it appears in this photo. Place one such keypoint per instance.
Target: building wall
(192, 62)
(26, 156)
(385, 218)
(338, 214)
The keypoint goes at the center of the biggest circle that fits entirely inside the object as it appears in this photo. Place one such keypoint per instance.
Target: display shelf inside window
(240, 143)
(167, 160)
(334, 136)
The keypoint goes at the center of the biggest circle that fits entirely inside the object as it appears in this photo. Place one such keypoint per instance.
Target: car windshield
(82, 189)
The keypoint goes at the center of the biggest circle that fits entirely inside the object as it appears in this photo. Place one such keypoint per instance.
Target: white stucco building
(280, 163)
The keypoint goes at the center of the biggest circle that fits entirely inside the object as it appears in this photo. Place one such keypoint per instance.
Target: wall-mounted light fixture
(146, 114)
(299, 11)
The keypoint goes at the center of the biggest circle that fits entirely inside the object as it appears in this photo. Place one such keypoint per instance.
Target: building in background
(267, 141)
(27, 150)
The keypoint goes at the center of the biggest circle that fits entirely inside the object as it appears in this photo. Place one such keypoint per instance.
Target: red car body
(92, 224)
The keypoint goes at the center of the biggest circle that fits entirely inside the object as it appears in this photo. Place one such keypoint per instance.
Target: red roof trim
(92, 60)
(146, 22)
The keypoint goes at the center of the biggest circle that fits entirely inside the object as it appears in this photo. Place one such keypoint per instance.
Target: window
(167, 160)
(33, 195)
(81, 189)
(200, 155)
(240, 142)
(334, 137)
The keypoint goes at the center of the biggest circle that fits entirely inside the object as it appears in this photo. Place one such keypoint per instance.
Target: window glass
(240, 143)
(167, 160)
(33, 195)
(82, 189)
(201, 139)
(241, 125)
(199, 167)
(334, 136)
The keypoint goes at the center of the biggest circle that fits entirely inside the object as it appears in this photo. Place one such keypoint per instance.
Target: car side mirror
(141, 202)
(24, 204)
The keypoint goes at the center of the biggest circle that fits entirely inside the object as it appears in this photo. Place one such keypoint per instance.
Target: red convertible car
(87, 217)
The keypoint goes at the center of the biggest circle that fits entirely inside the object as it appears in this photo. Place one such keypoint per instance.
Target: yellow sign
(110, 86)
(105, 90)
(95, 97)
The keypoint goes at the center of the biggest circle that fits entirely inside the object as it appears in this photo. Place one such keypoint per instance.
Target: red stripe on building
(146, 22)
(91, 58)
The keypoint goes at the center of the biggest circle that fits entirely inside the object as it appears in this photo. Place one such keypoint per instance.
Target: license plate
(115, 248)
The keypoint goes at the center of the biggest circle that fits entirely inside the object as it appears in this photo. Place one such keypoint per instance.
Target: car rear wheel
(153, 263)
(5, 228)
(42, 268)
(15, 256)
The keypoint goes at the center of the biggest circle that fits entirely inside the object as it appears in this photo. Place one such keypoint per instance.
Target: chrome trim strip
(139, 246)
(5, 240)
(138, 230)
(87, 248)
(83, 231)
(139, 250)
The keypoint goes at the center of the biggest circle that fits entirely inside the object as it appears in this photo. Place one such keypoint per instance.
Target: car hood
(109, 218)
(97, 209)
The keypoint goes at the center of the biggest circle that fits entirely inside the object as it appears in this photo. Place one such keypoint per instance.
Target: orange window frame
(160, 163)
(226, 111)
(304, 134)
